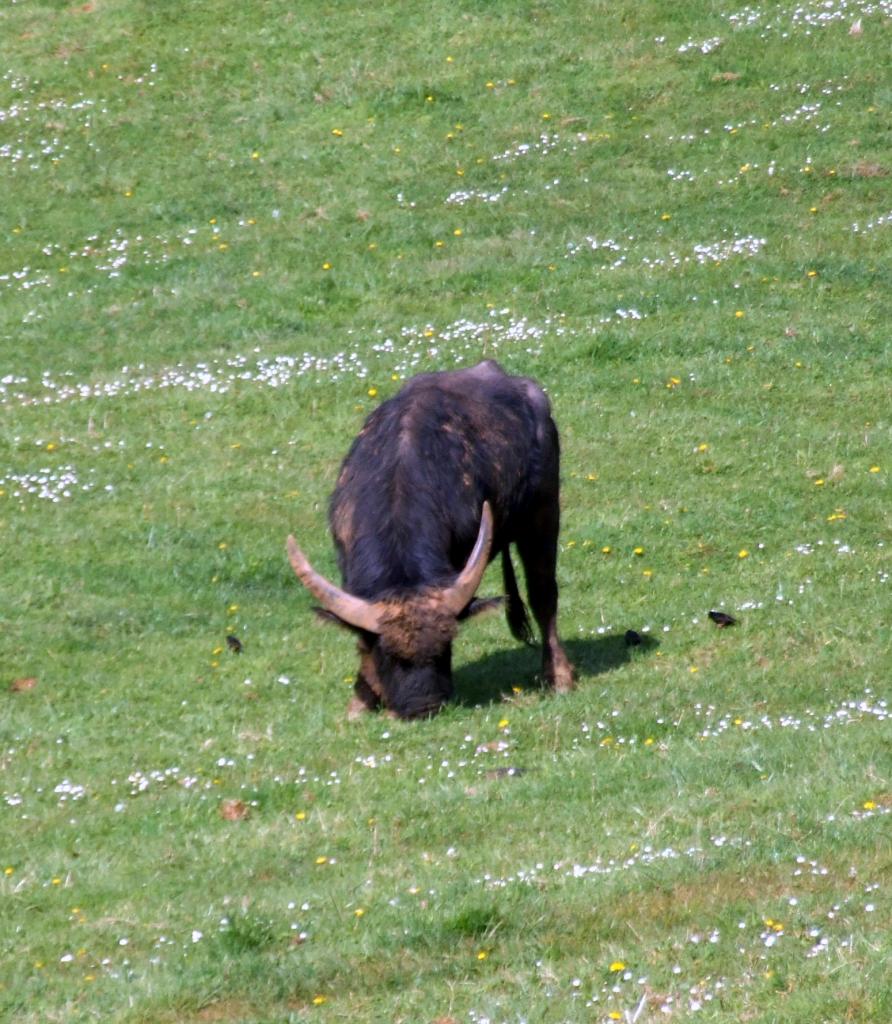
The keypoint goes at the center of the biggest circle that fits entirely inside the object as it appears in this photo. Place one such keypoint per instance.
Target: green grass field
(228, 233)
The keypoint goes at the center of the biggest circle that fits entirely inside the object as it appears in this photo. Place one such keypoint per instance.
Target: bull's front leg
(556, 666)
(557, 669)
(366, 689)
(538, 552)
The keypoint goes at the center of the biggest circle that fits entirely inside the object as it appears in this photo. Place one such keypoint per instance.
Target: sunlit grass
(228, 235)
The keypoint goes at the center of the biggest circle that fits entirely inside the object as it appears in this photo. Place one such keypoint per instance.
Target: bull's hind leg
(537, 547)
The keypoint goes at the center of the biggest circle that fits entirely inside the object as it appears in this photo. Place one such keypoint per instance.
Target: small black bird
(633, 639)
(722, 620)
(234, 644)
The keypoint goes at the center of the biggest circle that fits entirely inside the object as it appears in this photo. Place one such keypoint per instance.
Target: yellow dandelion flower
(617, 966)
(319, 1000)
(869, 805)
(326, 265)
(503, 723)
(874, 469)
(739, 313)
(301, 816)
(372, 392)
(482, 955)
(638, 551)
(743, 553)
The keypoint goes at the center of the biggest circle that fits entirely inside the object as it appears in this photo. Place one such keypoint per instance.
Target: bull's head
(405, 642)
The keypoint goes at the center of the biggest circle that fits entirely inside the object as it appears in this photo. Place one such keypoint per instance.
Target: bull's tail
(515, 610)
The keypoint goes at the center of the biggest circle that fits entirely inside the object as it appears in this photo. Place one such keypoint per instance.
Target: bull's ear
(326, 616)
(480, 606)
(354, 611)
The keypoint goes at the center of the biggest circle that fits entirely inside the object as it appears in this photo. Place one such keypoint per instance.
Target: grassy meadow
(228, 232)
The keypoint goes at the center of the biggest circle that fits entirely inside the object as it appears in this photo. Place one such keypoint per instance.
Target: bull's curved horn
(355, 611)
(458, 596)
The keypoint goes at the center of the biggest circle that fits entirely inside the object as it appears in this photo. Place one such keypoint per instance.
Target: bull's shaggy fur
(406, 512)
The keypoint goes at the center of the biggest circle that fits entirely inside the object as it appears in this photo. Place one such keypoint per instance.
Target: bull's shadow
(490, 678)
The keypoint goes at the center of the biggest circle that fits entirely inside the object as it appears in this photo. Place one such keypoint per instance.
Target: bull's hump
(488, 368)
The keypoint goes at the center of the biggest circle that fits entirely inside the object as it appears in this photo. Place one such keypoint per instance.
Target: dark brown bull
(441, 479)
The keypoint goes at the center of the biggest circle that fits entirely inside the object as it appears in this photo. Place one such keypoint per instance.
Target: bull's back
(412, 486)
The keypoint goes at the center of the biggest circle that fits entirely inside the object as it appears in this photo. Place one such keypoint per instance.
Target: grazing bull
(441, 479)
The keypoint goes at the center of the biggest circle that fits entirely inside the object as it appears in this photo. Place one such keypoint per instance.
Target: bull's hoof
(356, 709)
(561, 678)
